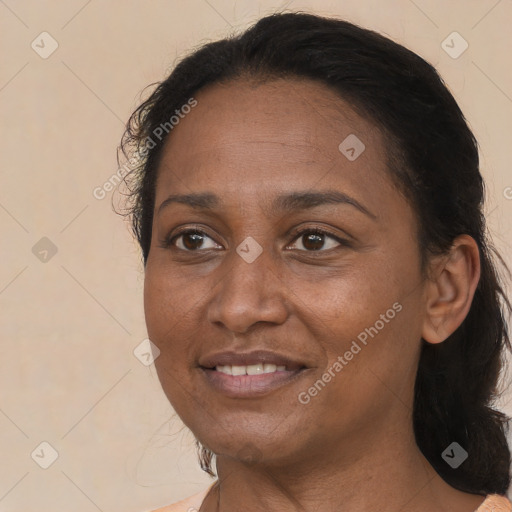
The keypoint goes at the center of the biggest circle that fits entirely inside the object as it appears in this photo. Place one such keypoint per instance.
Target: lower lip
(247, 386)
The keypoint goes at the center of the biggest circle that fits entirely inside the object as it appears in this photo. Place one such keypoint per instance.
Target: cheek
(369, 315)
(167, 300)
(155, 301)
(167, 308)
(347, 300)
(372, 362)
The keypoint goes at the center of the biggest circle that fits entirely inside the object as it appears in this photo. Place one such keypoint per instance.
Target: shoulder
(495, 503)
(190, 504)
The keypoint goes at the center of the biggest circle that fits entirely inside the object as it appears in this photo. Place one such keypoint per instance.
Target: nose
(249, 293)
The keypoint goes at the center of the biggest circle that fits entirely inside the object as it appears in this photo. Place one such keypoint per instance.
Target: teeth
(239, 370)
(251, 369)
(254, 369)
(269, 368)
(225, 369)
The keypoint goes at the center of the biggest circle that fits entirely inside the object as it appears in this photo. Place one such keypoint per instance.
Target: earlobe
(450, 289)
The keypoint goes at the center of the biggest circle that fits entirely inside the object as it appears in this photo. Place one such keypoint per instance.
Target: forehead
(247, 138)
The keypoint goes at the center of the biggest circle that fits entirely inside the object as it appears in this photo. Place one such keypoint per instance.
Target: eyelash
(169, 241)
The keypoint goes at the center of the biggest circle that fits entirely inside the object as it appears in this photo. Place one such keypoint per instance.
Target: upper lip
(248, 358)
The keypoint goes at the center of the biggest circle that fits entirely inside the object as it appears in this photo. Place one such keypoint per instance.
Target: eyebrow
(284, 203)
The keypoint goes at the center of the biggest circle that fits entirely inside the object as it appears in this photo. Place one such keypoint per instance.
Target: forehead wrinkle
(231, 153)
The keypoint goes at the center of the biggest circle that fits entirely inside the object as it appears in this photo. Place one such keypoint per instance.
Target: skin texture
(352, 446)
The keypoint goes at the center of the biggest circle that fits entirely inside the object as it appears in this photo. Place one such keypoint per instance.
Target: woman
(318, 277)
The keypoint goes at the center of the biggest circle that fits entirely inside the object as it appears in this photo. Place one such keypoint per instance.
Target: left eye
(313, 240)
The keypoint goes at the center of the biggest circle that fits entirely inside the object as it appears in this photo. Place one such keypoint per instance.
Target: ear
(450, 289)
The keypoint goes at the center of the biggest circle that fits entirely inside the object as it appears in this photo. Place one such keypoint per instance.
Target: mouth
(245, 375)
(251, 369)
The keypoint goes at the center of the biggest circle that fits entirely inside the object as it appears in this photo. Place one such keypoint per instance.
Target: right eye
(190, 240)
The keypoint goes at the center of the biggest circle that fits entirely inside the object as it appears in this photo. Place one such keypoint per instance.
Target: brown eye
(314, 240)
(192, 240)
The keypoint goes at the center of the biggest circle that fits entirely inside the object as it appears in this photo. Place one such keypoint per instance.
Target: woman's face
(327, 325)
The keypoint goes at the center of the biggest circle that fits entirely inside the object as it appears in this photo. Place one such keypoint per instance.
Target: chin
(249, 447)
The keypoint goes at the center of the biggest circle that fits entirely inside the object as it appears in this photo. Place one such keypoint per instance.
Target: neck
(383, 473)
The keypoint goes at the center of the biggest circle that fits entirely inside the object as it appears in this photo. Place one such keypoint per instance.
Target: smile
(252, 369)
(245, 385)
(246, 375)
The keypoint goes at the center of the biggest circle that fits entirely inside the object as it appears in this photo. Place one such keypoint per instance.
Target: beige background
(69, 325)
